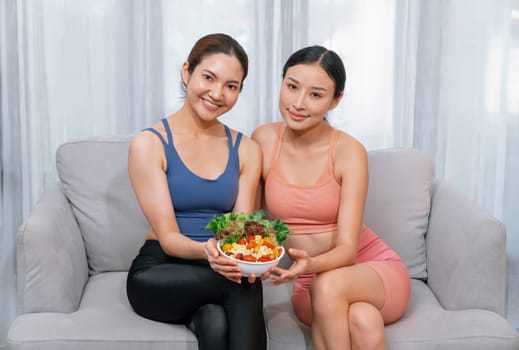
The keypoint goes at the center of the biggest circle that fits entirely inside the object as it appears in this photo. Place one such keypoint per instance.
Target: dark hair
(213, 44)
(327, 59)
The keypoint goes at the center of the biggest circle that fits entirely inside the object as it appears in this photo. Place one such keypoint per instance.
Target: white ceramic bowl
(249, 267)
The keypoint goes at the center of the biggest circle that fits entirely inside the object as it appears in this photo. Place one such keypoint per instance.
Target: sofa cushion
(104, 320)
(399, 202)
(95, 180)
(427, 325)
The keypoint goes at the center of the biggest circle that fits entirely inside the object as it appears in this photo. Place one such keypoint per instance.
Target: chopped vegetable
(249, 237)
(230, 227)
(257, 249)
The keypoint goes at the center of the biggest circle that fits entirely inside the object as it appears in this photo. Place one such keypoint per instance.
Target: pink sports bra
(305, 209)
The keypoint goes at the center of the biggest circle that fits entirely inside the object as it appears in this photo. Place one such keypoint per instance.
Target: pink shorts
(397, 291)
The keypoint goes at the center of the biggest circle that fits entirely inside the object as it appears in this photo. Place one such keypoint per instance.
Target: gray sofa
(74, 250)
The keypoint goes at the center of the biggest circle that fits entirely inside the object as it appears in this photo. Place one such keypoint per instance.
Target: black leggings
(222, 314)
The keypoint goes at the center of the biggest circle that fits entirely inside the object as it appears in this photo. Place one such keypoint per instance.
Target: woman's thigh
(397, 288)
(327, 290)
(384, 284)
(355, 283)
(171, 292)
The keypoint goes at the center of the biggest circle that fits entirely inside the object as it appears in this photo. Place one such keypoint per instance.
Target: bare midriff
(314, 243)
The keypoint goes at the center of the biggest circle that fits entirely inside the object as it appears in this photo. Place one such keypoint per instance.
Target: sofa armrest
(466, 253)
(51, 262)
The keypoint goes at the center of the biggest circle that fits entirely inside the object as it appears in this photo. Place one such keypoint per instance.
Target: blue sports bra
(195, 199)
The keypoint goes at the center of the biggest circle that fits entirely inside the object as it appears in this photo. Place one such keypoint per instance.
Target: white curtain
(441, 76)
(467, 108)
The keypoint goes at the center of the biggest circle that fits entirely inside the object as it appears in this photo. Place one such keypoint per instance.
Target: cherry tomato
(264, 258)
(249, 258)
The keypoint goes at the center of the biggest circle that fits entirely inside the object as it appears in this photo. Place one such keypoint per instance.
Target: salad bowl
(251, 240)
(253, 267)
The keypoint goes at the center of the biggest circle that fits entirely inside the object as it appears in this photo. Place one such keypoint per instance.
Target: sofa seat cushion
(425, 325)
(104, 320)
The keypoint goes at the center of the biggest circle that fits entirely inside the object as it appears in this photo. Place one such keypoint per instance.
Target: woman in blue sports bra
(184, 170)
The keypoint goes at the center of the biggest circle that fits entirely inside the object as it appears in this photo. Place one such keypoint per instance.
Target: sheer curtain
(467, 108)
(439, 76)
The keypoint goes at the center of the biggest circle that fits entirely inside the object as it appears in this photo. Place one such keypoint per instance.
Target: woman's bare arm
(352, 166)
(146, 168)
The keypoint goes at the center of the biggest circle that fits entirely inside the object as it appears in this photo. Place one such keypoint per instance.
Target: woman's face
(306, 95)
(214, 85)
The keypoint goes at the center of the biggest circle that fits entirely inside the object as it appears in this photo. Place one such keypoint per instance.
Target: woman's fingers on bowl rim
(225, 262)
(277, 270)
(230, 268)
(224, 265)
(265, 275)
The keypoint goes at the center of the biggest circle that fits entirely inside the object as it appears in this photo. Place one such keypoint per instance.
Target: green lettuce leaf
(235, 222)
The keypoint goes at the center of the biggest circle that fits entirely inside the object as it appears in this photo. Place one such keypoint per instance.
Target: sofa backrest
(94, 177)
(399, 202)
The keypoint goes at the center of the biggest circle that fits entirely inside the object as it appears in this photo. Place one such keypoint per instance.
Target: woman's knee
(324, 292)
(209, 324)
(366, 326)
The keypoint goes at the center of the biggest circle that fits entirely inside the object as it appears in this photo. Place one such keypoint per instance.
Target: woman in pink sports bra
(348, 282)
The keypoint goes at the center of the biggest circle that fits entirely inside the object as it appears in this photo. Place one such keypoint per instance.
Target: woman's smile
(297, 116)
(210, 105)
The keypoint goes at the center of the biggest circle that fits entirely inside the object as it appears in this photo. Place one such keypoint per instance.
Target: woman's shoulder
(266, 132)
(144, 139)
(348, 147)
(146, 149)
(244, 139)
(268, 127)
(247, 147)
(149, 134)
(149, 139)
